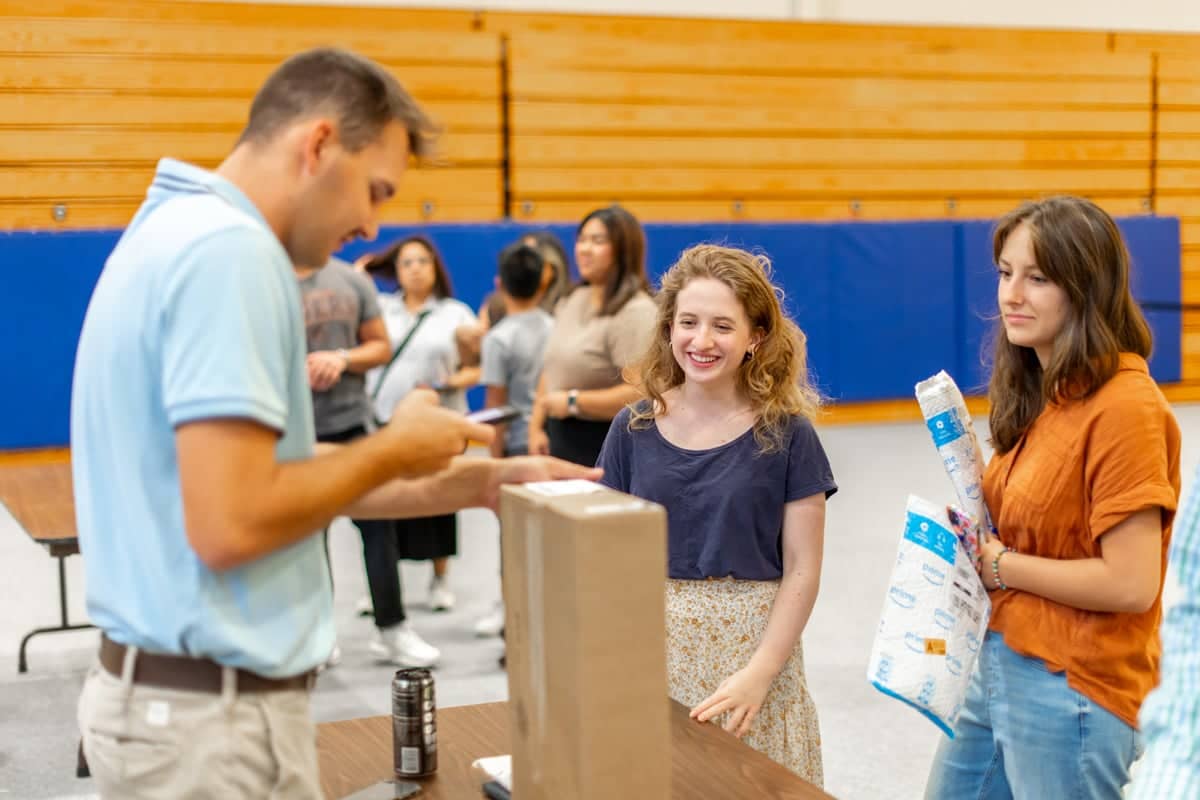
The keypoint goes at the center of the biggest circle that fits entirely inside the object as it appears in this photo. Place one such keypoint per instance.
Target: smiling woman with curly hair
(725, 442)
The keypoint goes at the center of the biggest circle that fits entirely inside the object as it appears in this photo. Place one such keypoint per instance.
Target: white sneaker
(363, 607)
(400, 645)
(440, 596)
(333, 659)
(492, 623)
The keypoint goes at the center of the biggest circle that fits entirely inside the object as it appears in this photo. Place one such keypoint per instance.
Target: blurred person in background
(599, 328)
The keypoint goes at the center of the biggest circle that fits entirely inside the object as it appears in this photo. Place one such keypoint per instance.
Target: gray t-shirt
(512, 358)
(337, 301)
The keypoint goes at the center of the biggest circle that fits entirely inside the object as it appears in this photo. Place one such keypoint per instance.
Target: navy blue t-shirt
(724, 505)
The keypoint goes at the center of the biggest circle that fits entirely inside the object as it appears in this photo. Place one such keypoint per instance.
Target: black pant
(577, 440)
(381, 553)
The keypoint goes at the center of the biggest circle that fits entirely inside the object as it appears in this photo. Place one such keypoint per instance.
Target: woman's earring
(746, 359)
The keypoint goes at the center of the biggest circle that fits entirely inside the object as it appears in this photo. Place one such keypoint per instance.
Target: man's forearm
(274, 505)
(367, 355)
(462, 485)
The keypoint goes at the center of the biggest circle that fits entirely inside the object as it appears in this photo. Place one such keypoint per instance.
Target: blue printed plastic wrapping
(953, 434)
(935, 614)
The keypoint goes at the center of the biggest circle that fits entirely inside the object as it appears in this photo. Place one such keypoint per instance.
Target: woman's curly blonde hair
(775, 380)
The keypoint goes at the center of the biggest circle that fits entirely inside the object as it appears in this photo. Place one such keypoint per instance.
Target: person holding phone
(199, 486)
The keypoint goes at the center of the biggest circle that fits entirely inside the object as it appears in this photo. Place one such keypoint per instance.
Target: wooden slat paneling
(173, 76)
(736, 91)
(618, 182)
(1173, 150)
(541, 150)
(93, 93)
(756, 33)
(1179, 179)
(34, 215)
(1178, 205)
(1176, 67)
(1141, 42)
(391, 37)
(761, 210)
(465, 186)
(250, 14)
(899, 58)
(87, 109)
(627, 118)
(118, 145)
(1175, 122)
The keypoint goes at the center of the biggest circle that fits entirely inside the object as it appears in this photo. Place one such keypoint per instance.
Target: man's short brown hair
(361, 95)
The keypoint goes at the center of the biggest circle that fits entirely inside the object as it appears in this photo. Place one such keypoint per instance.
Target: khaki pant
(147, 742)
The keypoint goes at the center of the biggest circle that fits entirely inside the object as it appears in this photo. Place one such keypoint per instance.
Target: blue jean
(1024, 733)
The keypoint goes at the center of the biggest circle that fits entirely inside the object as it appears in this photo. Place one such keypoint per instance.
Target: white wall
(1162, 15)
(1153, 15)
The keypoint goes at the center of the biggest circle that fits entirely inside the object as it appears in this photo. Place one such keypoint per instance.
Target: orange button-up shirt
(1082, 468)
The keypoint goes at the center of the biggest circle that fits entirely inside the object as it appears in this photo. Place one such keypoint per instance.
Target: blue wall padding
(893, 290)
(47, 280)
(884, 304)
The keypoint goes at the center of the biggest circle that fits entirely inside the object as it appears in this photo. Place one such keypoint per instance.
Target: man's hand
(325, 369)
(528, 469)
(468, 483)
(539, 442)
(425, 436)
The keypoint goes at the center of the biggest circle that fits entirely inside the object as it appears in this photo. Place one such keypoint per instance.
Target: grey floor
(873, 747)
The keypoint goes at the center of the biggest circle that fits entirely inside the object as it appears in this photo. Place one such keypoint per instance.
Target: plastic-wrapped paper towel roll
(953, 432)
(934, 618)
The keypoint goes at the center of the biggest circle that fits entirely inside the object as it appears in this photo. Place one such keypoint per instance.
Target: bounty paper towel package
(934, 618)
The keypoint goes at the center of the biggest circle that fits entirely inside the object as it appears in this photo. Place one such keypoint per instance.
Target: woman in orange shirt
(1082, 489)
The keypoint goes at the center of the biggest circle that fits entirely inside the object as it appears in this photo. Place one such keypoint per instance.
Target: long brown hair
(385, 264)
(627, 276)
(775, 380)
(1078, 247)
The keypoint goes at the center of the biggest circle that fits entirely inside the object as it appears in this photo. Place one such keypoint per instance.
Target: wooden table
(37, 491)
(706, 761)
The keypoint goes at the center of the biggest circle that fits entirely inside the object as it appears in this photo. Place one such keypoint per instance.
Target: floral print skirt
(713, 628)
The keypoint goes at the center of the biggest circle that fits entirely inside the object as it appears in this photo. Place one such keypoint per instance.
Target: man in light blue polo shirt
(197, 488)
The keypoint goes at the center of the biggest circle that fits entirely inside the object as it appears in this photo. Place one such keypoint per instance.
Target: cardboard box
(584, 574)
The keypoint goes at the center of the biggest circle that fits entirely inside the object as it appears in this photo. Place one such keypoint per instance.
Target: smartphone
(387, 790)
(495, 416)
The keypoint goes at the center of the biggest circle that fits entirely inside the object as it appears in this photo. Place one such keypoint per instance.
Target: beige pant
(147, 742)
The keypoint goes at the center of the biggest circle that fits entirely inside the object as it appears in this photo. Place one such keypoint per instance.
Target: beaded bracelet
(996, 568)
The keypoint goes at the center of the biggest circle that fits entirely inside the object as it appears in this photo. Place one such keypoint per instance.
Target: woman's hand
(539, 442)
(742, 695)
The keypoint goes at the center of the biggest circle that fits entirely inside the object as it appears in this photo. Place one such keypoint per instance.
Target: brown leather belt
(190, 674)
